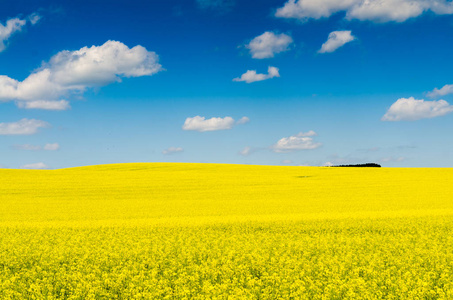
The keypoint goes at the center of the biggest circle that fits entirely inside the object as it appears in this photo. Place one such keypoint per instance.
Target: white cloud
(300, 141)
(70, 72)
(308, 133)
(445, 90)
(44, 104)
(36, 166)
(34, 18)
(252, 76)
(11, 26)
(315, 9)
(410, 109)
(268, 44)
(243, 120)
(14, 25)
(22, 127)
(202, 124)
(336, 40)
(172, 150)
(246, 151)
(371, 10)
(51, 147)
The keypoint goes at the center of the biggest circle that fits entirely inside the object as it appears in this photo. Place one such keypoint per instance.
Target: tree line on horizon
(372, 165)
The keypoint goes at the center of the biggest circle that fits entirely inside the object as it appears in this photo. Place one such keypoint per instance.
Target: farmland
(211, 231)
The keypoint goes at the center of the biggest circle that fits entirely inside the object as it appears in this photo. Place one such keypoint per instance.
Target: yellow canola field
(211, 231)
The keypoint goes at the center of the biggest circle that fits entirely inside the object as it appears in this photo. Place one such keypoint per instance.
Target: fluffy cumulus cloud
(336, 40)
(410, 109)
(268, 44)
(202, 124)
(35, 166)
(15, 25)
(47, 147)
(300, 141)
(445, 90)
(172, 150)
(371, 10)
(70, 72)
(22, 127)
(251, 75)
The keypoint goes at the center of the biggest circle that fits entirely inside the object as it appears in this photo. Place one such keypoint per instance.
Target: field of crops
(207, 231)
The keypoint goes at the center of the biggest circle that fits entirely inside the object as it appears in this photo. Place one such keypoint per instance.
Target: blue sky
(224, 81)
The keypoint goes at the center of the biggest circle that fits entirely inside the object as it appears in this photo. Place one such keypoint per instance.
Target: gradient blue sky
(341, 95)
